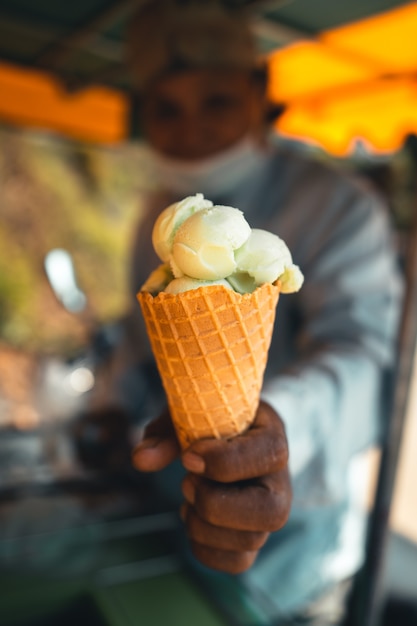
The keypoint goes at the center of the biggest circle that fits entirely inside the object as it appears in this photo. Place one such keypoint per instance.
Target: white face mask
(213, 176)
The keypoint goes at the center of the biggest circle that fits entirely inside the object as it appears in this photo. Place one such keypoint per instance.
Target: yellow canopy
(356, 81)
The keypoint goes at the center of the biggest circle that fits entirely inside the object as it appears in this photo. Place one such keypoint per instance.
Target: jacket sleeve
(331, 394)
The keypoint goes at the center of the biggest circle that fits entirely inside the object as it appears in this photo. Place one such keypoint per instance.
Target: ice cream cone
(211, 346)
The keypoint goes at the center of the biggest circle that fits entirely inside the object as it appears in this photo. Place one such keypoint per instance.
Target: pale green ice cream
(264, 258)
(171, 219)
(201, 245)
(205, 244)
(291, 280)
(158, 279)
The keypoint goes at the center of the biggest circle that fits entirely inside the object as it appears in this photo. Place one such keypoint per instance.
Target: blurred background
(72, 175)
(62, 194)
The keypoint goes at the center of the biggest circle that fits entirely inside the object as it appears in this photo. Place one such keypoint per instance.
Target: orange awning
(356, 81)
(36, 99)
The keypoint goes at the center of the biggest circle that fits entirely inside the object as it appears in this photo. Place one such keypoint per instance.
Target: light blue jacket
(332, 345)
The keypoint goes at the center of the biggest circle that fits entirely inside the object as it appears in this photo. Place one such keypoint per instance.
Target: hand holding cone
(211, 342)
(211, 347)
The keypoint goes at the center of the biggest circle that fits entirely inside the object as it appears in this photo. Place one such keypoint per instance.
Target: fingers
(204, 533)
(260, 505)
(159, 446)
(259, 451)
(236, 491)
(227, 524)
(154, 454)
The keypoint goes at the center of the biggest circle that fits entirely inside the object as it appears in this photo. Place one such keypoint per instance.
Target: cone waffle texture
(211, 346)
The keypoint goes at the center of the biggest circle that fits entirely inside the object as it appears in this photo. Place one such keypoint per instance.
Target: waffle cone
(211, 346)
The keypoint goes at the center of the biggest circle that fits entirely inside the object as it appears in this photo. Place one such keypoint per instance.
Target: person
(289, 529)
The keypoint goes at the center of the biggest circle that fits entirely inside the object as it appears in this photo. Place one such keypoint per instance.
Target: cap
(169, 34)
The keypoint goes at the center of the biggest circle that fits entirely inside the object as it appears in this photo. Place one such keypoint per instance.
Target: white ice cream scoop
(171, 219)
(264, 256)
(204, 245)
(291, 280)
(201, 244)
(158, 279)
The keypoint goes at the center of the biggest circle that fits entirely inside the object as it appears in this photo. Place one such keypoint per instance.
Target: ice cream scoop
(204, 245)
(171, 219)
(158, 279)
(291, 280)
(264, 258)
(201, 244)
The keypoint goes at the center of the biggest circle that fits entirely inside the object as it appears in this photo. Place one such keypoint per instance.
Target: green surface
(127, 572)
(170, 599)
(166, 599)
(46, 574)
(27, 599)
(77, 577)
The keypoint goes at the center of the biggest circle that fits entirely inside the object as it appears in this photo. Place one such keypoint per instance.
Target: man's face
(195, 114)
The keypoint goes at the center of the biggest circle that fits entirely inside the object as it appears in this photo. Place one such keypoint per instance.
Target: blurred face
(195, 114)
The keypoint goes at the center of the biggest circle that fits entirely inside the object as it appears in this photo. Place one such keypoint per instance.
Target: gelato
(209, 310)
(204, 246)
(200, 241)
(171, 219)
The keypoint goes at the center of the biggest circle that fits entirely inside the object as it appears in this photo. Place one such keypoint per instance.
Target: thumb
(159, 446)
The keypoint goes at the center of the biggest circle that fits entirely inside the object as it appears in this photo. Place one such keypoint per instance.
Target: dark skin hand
(236, 491)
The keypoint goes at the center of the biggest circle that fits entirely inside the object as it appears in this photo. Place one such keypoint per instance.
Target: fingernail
(193, 463)
(188, 490)
(145, 444)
